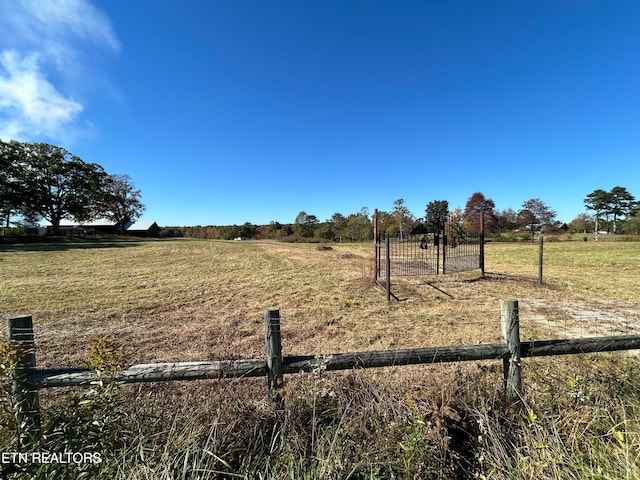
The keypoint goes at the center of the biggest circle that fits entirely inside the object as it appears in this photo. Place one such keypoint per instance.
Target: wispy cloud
(30, 105)
(46, 45)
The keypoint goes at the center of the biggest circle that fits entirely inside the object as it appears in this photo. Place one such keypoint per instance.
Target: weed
(8, 420)
(85, 425)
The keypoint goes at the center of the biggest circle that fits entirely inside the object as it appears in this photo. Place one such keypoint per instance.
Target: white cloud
(49, 46)
(55, 27)
(29, 104)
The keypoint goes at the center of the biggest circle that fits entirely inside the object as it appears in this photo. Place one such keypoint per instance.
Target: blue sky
(225, 112)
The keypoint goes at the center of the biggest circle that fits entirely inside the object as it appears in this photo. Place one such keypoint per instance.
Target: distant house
(104, 226)
(69, 227)
(142, 229)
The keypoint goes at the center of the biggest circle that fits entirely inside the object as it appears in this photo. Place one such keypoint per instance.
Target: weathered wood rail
(29, 379)
(159, 372)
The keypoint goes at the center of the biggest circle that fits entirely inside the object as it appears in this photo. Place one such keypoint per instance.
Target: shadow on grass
(57, 244)
(508, 276)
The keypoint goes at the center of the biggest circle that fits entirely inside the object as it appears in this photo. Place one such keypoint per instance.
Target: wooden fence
(29, 379)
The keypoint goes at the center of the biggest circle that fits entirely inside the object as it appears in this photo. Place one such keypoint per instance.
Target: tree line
(356, 227)
(612, 206)
(617, 211)
(42, 181)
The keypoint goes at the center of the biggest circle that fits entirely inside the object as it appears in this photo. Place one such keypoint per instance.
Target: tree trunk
(55, 226)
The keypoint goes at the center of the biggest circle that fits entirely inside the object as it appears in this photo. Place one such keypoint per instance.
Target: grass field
(184, 300)
(198, 300)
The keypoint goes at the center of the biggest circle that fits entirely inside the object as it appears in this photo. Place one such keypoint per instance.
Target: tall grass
(584, 423)
(579, 419)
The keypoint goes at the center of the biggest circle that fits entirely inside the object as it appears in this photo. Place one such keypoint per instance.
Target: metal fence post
(510, 323)
(25, 398)
(387, 246)
(445, 242)
(481, 253)
(376, 265)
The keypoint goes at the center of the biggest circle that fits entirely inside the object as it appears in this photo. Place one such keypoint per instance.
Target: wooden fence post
(25, 398)
(510, 323)
(273, 343)
(540, 260)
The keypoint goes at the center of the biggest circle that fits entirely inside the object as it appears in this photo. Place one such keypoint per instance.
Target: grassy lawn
(196, 299)
(192, 300)
(605, 270)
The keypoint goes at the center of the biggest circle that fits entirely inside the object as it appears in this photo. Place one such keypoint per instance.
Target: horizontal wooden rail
(159, 372)
(544, 348)
(390, 358)
(151, 372)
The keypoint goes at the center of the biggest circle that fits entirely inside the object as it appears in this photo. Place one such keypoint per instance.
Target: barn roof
(139, 226)
(103, 222)
(100, 222)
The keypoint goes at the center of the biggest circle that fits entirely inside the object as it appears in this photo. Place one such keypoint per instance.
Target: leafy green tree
(272, 230)
(229, 232)
(10, 180)
(621, 204)
(121, 200)
(581, 224)
(310, 225)
(298, 223)
(631, 225)
(506, 220)
(305, 225)
(57, 184)
(359, 226)
(387, 224)
(247, 230)
(526, 218)
(339, 226)
(403, 217)
(598, 201)
(618, 203)
(436, 215)
(324, 231)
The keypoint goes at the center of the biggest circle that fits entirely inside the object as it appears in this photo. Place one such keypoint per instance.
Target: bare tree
(544, 216)
(402, 216)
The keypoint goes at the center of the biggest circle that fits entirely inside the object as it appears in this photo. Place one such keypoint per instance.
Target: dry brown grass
(180, 300)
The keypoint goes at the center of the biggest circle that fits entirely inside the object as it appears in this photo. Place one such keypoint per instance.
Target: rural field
(196, 300)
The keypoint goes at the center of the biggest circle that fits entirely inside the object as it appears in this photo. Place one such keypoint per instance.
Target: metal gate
(451, 249)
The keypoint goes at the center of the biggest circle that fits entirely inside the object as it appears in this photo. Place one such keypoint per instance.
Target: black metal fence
(412, 255)
(451, 250)
(461, 250)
